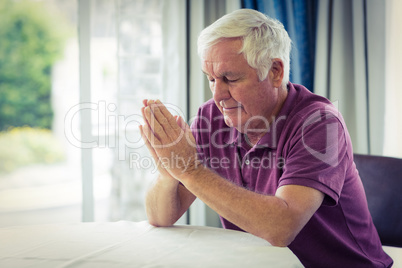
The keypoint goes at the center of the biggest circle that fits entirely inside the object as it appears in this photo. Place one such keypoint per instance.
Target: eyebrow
(207, 74)
(224, 74)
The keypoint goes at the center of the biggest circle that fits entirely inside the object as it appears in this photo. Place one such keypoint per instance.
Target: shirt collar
(231, 136)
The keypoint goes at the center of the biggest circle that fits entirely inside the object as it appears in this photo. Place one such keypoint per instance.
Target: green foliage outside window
(30, 42)
(23, 146)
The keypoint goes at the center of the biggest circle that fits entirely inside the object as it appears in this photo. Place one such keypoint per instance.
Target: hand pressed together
(169, 139)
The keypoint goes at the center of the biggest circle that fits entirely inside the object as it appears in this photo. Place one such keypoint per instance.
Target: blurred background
(39, 72)
(43, 105)
(73, 75)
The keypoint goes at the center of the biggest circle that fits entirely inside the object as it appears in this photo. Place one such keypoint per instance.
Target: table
(136, 244)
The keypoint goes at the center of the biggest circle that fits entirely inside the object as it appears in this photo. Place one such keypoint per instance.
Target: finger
(154, 125)
(146, 141)
(165, 112)
(154, 155)
(166, 120)
(143, 116)
(150, 136)
(146, 103)
(183, 125)
(188, 132)
(181, 122)
(148, 144)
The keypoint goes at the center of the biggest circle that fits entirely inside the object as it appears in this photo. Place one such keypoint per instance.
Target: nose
(220, 90)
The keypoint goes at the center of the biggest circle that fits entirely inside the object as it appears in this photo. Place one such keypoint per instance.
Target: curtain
(393, 70)
(339, 52)
(151, 60)
(350, 67)
(299, 19)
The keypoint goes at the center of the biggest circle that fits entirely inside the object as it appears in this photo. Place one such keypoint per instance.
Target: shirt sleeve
(317, 155)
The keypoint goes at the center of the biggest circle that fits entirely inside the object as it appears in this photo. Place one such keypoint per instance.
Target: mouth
(230, 108)
(224, 108)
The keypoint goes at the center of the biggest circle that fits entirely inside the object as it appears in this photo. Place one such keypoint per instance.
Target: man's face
(246, 102)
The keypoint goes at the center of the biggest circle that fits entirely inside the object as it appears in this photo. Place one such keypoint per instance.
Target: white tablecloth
(130, 244)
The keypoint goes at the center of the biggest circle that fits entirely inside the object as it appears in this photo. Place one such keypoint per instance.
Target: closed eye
(225, 79)
(229, 80)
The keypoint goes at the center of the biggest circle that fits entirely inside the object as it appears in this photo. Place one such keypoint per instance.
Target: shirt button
(247, 162)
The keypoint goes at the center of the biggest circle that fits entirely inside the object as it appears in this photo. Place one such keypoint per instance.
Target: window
(40, 179)
(132, 52)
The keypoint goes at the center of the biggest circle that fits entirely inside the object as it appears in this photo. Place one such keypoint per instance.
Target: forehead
(224, 55)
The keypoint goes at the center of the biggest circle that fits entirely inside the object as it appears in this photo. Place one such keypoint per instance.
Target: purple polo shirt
(307, 144)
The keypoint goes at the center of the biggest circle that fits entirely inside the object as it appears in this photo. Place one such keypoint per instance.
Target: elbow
(153, 223)
(159, 223)
(282, 239)
(280, 242)
(158, 220)
(281, 236)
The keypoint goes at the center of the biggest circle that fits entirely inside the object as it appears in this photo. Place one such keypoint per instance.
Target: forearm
(166, 202)
(162, 202)
(278, 219)
(268, 217)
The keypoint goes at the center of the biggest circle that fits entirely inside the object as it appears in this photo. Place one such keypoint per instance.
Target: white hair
(263, 39)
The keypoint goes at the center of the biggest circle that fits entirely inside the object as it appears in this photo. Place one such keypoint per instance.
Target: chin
(229, 121)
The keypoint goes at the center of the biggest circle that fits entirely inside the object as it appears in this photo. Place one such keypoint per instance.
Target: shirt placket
(246, 167)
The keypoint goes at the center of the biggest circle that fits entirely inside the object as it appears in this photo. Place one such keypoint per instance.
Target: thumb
(180, 121)
(186, 128)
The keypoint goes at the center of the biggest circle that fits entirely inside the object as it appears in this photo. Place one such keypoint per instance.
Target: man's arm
(166, 201)
(278, 219)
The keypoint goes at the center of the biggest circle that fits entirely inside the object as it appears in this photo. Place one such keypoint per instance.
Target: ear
(276, 72)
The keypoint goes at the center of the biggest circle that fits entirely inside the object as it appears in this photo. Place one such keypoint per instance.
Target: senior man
(270, 157)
